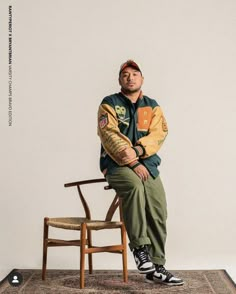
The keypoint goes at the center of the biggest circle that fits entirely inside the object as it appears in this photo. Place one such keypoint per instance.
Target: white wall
(66, 57)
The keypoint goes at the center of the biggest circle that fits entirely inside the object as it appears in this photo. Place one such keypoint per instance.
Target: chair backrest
(112, 208)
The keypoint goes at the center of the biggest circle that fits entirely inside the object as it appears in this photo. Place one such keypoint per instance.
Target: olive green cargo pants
(144, 210)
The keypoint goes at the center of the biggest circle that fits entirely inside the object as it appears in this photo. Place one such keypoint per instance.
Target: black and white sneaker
(161, 275)
(143, 261)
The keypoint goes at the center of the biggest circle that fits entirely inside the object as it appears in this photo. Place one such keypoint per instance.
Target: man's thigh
(123, 180)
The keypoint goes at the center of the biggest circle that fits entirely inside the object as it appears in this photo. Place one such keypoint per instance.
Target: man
(132, 129)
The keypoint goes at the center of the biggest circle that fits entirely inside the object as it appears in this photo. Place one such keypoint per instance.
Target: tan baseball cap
(130, 63)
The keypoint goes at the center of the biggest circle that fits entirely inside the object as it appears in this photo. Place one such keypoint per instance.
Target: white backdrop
(66, 58)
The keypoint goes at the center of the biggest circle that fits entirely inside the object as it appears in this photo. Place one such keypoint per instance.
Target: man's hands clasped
(130, 154)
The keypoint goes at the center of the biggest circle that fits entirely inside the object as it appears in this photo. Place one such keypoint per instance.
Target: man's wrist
(134, 164)
(139, 150)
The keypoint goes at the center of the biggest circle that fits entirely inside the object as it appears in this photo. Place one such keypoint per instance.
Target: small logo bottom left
(15, 279)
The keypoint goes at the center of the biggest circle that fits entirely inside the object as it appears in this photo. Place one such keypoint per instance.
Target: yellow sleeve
(157, 133)
(113, 141)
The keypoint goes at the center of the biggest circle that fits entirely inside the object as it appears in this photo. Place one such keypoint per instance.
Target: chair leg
(90, 258)
(124, 253)
(82, 253)
(45, 248)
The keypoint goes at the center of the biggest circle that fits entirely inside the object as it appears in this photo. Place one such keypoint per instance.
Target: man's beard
(130, 91)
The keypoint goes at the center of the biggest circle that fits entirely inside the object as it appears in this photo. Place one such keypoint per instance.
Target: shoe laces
(142, 254)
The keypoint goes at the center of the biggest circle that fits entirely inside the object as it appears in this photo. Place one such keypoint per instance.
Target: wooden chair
(86, 225)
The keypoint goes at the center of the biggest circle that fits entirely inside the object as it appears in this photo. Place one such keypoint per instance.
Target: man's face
(131, 80)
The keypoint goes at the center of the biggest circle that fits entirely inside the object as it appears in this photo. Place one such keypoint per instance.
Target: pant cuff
(157, 260)
(139, 242)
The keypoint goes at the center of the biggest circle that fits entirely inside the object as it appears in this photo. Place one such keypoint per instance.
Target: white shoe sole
(162, 282)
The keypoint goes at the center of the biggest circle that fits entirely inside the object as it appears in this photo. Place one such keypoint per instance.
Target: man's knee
(135, 185)
(125, 181)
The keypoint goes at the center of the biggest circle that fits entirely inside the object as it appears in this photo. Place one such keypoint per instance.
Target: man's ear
(143, 79)
(119, 81)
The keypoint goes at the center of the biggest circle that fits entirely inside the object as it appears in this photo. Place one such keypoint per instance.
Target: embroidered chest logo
(144, 118)
(121, 113)
(145, 121)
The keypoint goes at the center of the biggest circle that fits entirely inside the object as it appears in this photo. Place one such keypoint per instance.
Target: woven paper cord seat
(74, 223)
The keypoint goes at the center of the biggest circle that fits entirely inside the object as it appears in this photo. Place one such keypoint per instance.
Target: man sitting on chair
(132, 128)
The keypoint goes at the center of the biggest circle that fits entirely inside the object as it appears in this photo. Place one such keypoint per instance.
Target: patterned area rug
(110, 282)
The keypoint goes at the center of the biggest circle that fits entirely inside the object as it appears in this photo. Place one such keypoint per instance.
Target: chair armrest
(84, 182)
